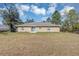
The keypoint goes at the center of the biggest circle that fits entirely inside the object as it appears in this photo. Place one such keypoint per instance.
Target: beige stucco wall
(38, 29)
(23, 29)
(52, 29)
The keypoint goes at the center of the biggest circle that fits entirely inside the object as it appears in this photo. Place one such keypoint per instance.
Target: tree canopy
(70, 22)
(10, 16)
(56, 17)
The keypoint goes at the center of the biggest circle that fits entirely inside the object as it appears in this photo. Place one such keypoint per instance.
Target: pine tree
(56, 17)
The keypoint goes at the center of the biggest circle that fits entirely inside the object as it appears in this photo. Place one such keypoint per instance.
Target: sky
(41, 11)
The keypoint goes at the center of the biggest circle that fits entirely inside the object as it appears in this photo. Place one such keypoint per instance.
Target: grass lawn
(39, 44)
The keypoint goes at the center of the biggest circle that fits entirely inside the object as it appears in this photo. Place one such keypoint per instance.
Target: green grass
(39, 43)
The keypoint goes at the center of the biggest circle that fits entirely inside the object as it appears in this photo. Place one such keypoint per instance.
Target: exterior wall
(23, 29)
(49, 29)
(38, 29)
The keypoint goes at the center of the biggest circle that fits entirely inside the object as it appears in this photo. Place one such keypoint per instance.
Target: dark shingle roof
(38, 24)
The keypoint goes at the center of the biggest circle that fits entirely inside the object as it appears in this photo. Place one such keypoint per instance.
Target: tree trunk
(12, 28)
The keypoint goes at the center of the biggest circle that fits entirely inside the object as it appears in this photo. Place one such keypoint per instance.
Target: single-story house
(4, 28)
(38, 27)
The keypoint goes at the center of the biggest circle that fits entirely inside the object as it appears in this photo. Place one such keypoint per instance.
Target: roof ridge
(39, 24)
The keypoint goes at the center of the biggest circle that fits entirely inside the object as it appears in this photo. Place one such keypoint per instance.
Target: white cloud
(43, 11)
(66, 9)
(22, 8)
(25, 7)
(21, 13)
(51, 9)
(37, 10)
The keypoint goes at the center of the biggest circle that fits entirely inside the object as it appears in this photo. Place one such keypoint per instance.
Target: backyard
(39, 44)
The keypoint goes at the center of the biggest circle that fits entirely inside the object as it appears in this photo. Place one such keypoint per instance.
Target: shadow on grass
(4, 33)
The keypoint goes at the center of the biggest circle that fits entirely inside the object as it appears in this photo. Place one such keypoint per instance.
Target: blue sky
(41, 11)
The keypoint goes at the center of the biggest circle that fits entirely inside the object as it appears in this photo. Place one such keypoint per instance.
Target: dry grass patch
(39, 44)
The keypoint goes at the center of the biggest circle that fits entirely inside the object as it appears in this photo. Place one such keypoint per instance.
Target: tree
(70, 21)
(56, 17)
(76, 26)
(65, 25)
(73, 17)
(29, 20)
(48, 19)
(11, 16)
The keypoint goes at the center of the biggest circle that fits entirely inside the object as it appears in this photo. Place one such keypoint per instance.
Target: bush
(76, 26)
